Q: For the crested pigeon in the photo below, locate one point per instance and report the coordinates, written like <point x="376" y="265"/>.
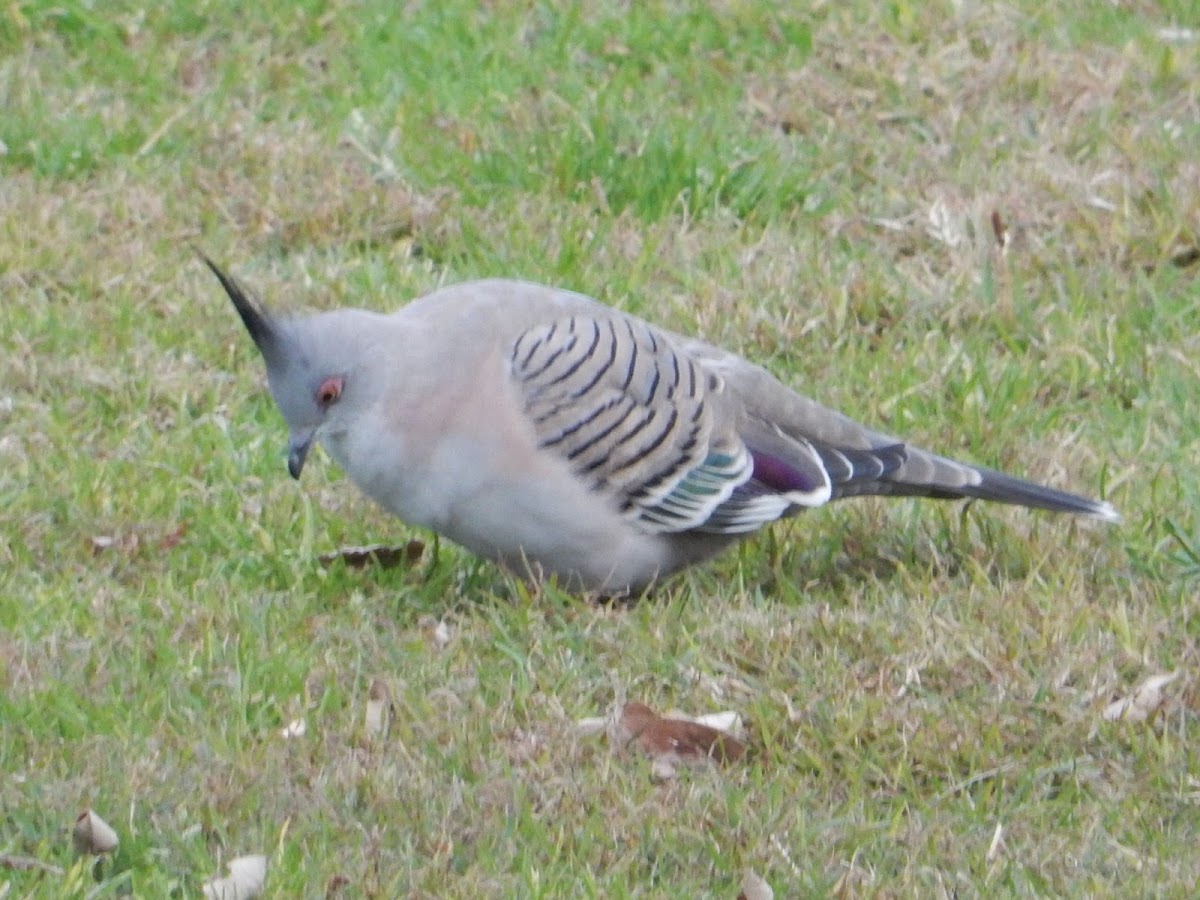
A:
<point x="557" y="436"/>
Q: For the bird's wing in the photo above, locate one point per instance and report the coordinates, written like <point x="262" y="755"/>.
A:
<point x="647" y="424"/>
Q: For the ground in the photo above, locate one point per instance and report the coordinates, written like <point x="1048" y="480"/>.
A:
<point x="975" y="225"/>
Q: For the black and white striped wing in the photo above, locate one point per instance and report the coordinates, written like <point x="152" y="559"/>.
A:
<point x="633" y="416"/>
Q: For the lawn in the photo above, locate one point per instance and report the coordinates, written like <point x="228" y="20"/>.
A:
<point x="974" y="225"/>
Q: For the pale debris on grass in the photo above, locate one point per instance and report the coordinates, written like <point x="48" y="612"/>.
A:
<point x="379" y="709"/>
<point x="996" y="847"/>
<point x="755" y="887"/>
<point x="729" y="721"/>
<point x="1192" y="794"/>
<point x="1177" y="35"/>
<point x="796" y="871"/>
<point x="946" y="224"/>
<point x="92" y="835"/>
<point x="247" y="875"/>
<point x="1142" y="704"/>
<point x="125" y="543"/>
<point x="437" y="630"/>
<point x="296" y="728"/>
<point x="592" y="726"/>
<point x="441" y="635"/>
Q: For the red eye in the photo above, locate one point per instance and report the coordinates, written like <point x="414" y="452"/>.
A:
<point x="329" y="391"/>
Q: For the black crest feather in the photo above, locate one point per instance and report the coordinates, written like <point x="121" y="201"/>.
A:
<point x="254" y="316"/>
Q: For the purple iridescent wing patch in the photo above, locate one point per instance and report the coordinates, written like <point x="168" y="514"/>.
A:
<point x="779" y="476"/>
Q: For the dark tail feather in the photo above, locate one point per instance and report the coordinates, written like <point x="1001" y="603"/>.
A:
<point x="1001" y="488"/>
<point x="905" y="471"/>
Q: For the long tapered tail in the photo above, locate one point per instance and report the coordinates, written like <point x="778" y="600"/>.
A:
<point x="924" y="474"/>
<point x="1003" y="488"/>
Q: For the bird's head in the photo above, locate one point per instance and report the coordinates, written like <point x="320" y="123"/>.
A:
<point x="314" y="367"/>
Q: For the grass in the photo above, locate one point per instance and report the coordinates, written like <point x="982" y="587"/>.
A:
<point x="813" y="188"/>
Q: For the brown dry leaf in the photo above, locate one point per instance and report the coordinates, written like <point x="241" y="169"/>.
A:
<point x="672" y="740"/>
<point x="755" y="887"/>
<point x="92" y="835"/>
<point x="379" y="709"/>
<point x="377" y="554"/>
<point x="1142" y="704"/>
<point x="174" y="537"/>
<point x="247" y="875"/>
<point x="1000" y="231"/>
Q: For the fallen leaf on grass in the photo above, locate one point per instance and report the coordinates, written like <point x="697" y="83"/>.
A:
<point x="999" y="230"/>
<point x="377" y="554"/>
<point x="247" y="875"/>
<point x="92" y="835"/>
<point x="755" y="887"/>
<point x="682" y="736"/>
<point x="1142" y="704"/>
<point x="669" y="741"/>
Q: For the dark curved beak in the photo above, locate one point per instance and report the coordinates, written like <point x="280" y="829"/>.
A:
<point x="298" y="445"/>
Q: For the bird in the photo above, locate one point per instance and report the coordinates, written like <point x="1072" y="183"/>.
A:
<point x="562" y="438"/>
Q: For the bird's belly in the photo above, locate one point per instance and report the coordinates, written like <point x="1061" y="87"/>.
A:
<point x="527" y="512"/>
<point x="532" y="540"/>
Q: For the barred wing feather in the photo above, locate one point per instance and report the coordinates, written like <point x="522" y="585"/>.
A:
<point x="641" y="421"/>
